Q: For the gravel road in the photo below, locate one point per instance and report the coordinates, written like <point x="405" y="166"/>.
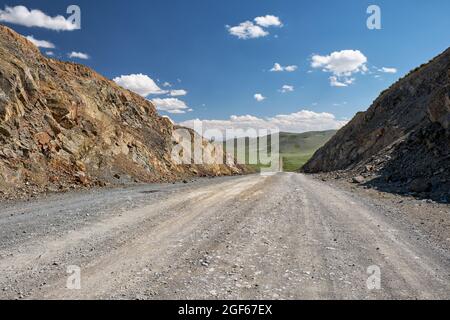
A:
<point x="286" y="236"/>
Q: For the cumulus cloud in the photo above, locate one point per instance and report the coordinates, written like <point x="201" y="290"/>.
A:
<point x="279" y="68"/>
<point x="139" y="83"/>
<point x="178" y="93"/>
<point x="335" y="82"/>
<point x="79" y="55"/>
<point x="20" y="15"/>
<point x="286" y="88"/>
<point x="259" y="97"/>
<point x="297" y="122"/>
<point x="290" y="68"/>
<point x="41" y="43"/>
<point x="268" y="21"/>
<point x="256" y="29"/>
<point x="388" y="70"/>
<point x="167" y="84"/>
<point x="247" y="30"/>
<point x="342" y="64"/>
<point x="171" y="105"/>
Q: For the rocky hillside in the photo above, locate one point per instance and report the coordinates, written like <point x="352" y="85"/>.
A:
<point x="402" y="143"/>
<point x="63" y="126"/>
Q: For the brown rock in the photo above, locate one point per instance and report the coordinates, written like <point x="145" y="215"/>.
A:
<point x="77" y="126"/>
<point x="43" y="138"/>
<point x="358" y="179"/>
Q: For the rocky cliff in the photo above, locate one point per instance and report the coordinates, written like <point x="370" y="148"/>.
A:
<point x="63" y="126"/>
<point x="403" y="141"/>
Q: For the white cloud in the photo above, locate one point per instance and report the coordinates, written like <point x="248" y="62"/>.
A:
<point x="178" y="93"/>
<point x="349" y="80"/>
<point x="139" y="83"/>
<point x="35" y="18"/>
<point x="340" y="104"/>
<point x="301" y="121"/>
<point x="286" y="88"/>
<point x="279" y="68"/>
<point x="79" y="55"/>
<point x="167" y="84"/>
<point x="50" y="53"/>
<point x="342" y="64"/>
<point x="247" y="30"/>
<point x="268" y="21"/>
<point x="259" y="97"/>
<point x="345" y="82"/>
<point x="250" y="30"/>
<point x="388" y="70"/>
<point x="171" y="105"/>
<point x="290" y="68"/>
<point x="41" y="43"/>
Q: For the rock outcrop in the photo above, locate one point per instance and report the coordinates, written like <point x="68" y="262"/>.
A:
<point x="62" y="126"/>
<point x="402" y="143"/>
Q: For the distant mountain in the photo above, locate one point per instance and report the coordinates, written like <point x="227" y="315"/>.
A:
<point x="402" y="143"/>
<point x="62" y="126"/>
<point x="295" y="148"/>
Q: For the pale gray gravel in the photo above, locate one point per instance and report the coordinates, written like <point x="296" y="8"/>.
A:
<point x="285" y="236"/>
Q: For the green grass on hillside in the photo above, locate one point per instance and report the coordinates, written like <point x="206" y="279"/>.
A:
<point x="293" y="161"/>
<point x="295" y="148"/>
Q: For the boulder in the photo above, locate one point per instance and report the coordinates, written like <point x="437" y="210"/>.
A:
<point x="358" y="179"/>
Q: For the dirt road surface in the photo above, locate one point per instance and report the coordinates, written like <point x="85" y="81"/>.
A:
<point x="286" y="236"/>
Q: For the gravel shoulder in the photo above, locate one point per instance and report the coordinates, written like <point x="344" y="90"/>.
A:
<point x="428" y="219"/>
<point x="286" y="236"/>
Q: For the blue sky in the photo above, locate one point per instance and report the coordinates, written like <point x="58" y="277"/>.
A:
<point x="190" y="45"/>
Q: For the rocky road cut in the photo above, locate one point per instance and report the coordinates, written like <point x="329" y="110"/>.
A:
<point x="286" y="236"/>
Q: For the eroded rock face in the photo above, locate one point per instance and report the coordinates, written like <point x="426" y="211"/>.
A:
<point x="404" y="136"/>
<point x="63" y="125"/>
